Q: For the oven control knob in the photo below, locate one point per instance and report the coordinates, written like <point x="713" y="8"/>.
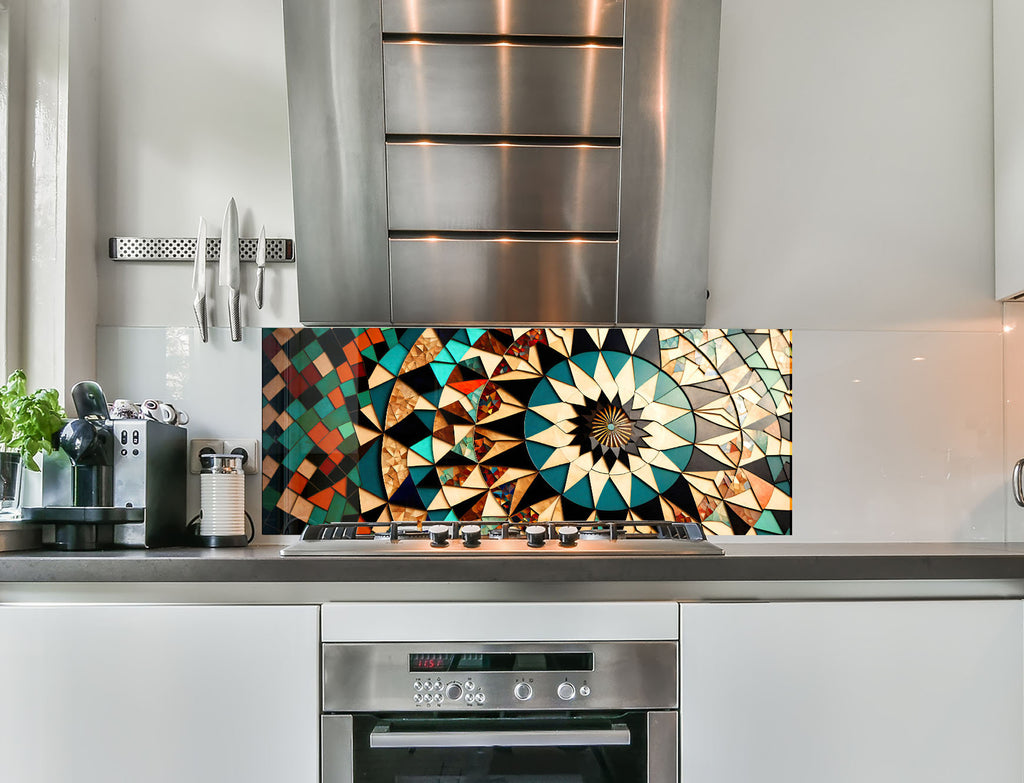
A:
<point x="566" y="691"/>
<point x="438" y="535"/>
<point x="568" y="535"/>
<point x="584" y="690"/>
<point x="522" y="691"/>
<point x="453" y="691"/>
<point x="470" y="535"/>
<point x="535" y="535"/>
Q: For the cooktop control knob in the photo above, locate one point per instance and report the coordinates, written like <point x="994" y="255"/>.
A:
<point x="470" y="535"/>
<point x="453" y="691"/>
<point x="438" y="535"/>
<point x="522" y="691"/>
<point x="568" y="535"/>
<point x="566" y="691"/>
<point x="535" y="535"/>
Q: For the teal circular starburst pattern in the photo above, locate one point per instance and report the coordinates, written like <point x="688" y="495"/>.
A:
<point x="608" y="430"/>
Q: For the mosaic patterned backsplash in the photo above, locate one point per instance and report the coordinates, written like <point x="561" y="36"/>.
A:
<point x="417" y="424"/>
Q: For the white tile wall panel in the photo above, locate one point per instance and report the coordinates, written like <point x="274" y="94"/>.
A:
<point x="897" y="436"/>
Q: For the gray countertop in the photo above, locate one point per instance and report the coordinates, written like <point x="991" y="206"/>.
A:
<point x="744" y="562"/>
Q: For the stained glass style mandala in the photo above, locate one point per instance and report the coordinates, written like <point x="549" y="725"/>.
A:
<point x="528" y="425"/>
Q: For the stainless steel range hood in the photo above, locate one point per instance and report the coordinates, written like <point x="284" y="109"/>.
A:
<point x="502" y="161"/>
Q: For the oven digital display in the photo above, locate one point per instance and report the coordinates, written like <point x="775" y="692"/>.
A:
<point x="502" y="662"/>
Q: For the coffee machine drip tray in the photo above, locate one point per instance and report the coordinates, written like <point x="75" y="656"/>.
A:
<point x="83" y="527"/>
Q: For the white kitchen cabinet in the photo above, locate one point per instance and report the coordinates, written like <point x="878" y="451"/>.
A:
<point x="848" y="692"/>
<point x="159" y="694"/>
<point x="1008" y="151"/>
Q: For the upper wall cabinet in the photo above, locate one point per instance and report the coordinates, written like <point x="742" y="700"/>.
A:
<point x="1008" y="170"/>
<point x="502" y="162"/>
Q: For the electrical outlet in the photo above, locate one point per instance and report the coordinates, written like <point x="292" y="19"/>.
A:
<point x="199" y="446"/>
<point x="250" y="451"/>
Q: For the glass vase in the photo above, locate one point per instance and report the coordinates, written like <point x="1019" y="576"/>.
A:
<point x="11" y="469"/>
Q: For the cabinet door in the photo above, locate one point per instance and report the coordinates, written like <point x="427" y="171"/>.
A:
<point x="161" y="694"/>
<point x="1008" y="151"/>
<point x="852" y="692"/>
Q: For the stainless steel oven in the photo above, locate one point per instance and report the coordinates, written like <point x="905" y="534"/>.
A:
<point x="520" y="712"/>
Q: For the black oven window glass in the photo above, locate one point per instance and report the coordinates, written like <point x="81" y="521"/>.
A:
<point x="502" y="662"/>
<point x="497" y="764"/>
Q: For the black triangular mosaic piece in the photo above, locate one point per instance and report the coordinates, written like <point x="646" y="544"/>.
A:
<point x="739" y="527"/>
<point x="548" y="357"/>
<point x="615" y="341"/>
<point x="409" y="430"/>
<point x="760" y="469"/>
<point x="518" y="457"/>
<point x="508" y="425"/>
<point x="535" y="493"/>
<point x="521" y="390"/>
<point x="650" y="348"/>
<point x="650" y="510"/>
<point x="462" y="508"/>
<point x="582" y="342"/>
<point x="421" y="380"/>
<point x="451" y="458"/>
<point x="406" y="495"/>
<point x="702" y="462"/>
<point x="706" y="430"/>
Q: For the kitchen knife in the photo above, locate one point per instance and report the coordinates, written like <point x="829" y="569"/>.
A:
<point x="229" y="275"/>
<point x="261" y="262"/>
<point x="199" y="281"/>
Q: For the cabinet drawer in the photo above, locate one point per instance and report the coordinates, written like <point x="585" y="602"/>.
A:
<point x="502" y="187"/>
<point x="597" y="18"/>
<point x="503" y="281"/>
<point x="502" y="89"/>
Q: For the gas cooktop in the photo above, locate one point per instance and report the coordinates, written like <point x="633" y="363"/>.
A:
<point x="467" y="539"/>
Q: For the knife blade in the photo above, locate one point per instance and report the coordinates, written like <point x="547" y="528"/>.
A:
<point x="199" y="282"/>
<point x="229" y="274"/>
<point x="261" y="262"/>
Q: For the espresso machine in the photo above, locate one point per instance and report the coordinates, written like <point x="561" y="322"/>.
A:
<point x="112" y="483"/>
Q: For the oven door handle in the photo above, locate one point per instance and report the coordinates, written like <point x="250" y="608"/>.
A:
<point x="382" y="737"/>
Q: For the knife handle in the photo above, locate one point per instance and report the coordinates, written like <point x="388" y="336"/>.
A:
<point x="199" y="306"/>
<point x="234" y="317"/>
<point x="258" y="293"/>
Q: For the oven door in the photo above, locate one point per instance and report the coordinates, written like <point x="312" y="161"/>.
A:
<point x="630" y="747"/>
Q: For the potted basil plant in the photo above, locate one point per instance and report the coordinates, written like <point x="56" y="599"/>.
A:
<point x="28" y="422"/>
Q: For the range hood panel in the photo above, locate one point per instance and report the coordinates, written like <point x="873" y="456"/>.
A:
<point x="596" y="18"/>
<point x="502" y="188"/>
<point x="534" y="282"/>
<point x="504" y="90"/>
<point x="581" y="130"/>
<point x="336" y="123"/>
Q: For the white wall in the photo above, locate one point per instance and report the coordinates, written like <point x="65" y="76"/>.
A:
<point x="194" y="112"/>
<point x="852" y="202"/>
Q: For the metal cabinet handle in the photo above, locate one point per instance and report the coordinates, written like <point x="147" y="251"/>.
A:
<point x="383" y="737"/>
<point x="1018" y="490"/>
